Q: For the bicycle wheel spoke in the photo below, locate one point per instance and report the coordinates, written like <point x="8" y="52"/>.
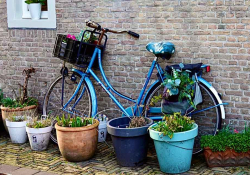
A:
<point x="80" y="105"/>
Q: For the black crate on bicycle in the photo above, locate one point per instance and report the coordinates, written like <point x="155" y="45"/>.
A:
<point x="76" y="52"/>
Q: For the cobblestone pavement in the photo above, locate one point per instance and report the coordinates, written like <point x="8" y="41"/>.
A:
<point x="23" y="159"/>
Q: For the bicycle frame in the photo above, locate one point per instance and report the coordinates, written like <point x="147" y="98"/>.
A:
<point x="108" y="89"/>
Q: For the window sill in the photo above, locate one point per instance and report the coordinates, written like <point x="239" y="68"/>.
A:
<point x="32" y="24"/>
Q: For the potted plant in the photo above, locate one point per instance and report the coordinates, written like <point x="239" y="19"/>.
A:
<point x="16" y="126"/>
<point x="228" y="148"/>
<point x="87" y="38"/>
<point x="22" y="105"/>
<point x="39" y="132"/>
<point x="181" y="92"/>
<point x="174" y="140"/>
<point x="130" y="139"/>
<point x="77" y="137"/>
<point x="35" y="8"/>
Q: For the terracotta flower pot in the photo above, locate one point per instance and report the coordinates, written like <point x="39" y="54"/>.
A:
<point x="226" y="158"/>
<point x="79" y="143"/>
<point x="6" y="112"/>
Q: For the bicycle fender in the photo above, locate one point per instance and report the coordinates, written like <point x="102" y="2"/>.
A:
<point x="93" y="96"/>
<point x="149" y="90"/>
<point x="91" y="90"/>
<point x="210" y="87"/>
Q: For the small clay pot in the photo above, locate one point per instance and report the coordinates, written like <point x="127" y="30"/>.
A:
<point x="78" y="143"/>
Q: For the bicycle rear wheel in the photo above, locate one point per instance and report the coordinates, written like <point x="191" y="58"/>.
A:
<point x="209" y="121"/>
<point x="54" y="99"/>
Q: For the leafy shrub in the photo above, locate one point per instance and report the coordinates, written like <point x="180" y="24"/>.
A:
<point x="39" y="122"/>
<point x="174" y="123"/>
<point x="180" y="83"/>
<point x="12" y="103"/>
<point x="228" y="139"/>
<point x="74" y="122"/>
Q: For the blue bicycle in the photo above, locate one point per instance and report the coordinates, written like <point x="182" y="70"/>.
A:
<point x="73" y="91"/>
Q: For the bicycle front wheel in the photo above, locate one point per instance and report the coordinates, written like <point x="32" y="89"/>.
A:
<point x="58" y="95"/>
<point x="209" y="121"/>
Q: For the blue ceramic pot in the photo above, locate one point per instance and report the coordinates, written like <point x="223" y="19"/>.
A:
<point x="174" y="155"/>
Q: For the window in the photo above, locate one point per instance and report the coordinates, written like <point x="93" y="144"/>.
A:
<point x="21" y="17"/>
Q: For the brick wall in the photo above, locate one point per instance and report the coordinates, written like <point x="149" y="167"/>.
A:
<point x="214" y="32"/>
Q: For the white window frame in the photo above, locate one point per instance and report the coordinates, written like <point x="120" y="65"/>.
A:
<point x="18" y="16"/>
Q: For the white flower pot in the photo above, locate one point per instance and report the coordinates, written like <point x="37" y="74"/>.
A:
<point x="35" y="11"/>
<point x="102" y="131"/>
<point x="39" y="138"/>
<point x="17" y="131"/>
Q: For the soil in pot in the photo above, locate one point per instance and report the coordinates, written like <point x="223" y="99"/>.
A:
<point x="26" y="111"/>
<point x="39" y="138"/>
<point x="130" y="144"/>
<point x="17" y="131"/>
<point x="77" y="143"/>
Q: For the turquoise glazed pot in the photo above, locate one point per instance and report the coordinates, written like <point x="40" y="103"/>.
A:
<point x="174" y="155"/>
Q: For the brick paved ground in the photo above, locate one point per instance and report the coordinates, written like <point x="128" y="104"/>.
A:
<point x="21" y="160"/>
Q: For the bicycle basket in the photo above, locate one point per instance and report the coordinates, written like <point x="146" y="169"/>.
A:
<point x="78" y="53"/>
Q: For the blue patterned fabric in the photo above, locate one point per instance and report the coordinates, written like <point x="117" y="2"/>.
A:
<point x="160" y="48"/>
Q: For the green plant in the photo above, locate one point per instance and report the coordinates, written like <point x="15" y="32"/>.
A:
<point x="74" y="121"/>
<point x="88" y="37"/>
<point x="1" y="96"/>
<point x="173" y="123"/>
<point x="180" y="83"/>
<point x="35" y="1"/>
<point x="14" y="118"/>
<point x="227" y="138"/>
<point x="23" y="100"/>
<point x="39" y="122"/>
<point x="13" y="103"/>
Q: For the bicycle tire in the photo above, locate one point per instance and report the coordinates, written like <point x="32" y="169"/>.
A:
<point x="56" y="85"/>
<point x="204" y="127"/>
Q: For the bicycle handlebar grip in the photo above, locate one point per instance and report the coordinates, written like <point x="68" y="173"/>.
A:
<point x="136" y="35"/>
<point x="93" y="24"/>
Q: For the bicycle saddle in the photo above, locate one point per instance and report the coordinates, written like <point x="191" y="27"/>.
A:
<point x="161" y="49"/>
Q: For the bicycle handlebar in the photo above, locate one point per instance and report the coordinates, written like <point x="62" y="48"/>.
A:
<point x="136" y="35"/>
<point x="93" y="24"/>
<point x="97" y="26"/>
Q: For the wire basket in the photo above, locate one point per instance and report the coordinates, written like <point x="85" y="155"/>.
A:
<point x="78" y="53"/>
